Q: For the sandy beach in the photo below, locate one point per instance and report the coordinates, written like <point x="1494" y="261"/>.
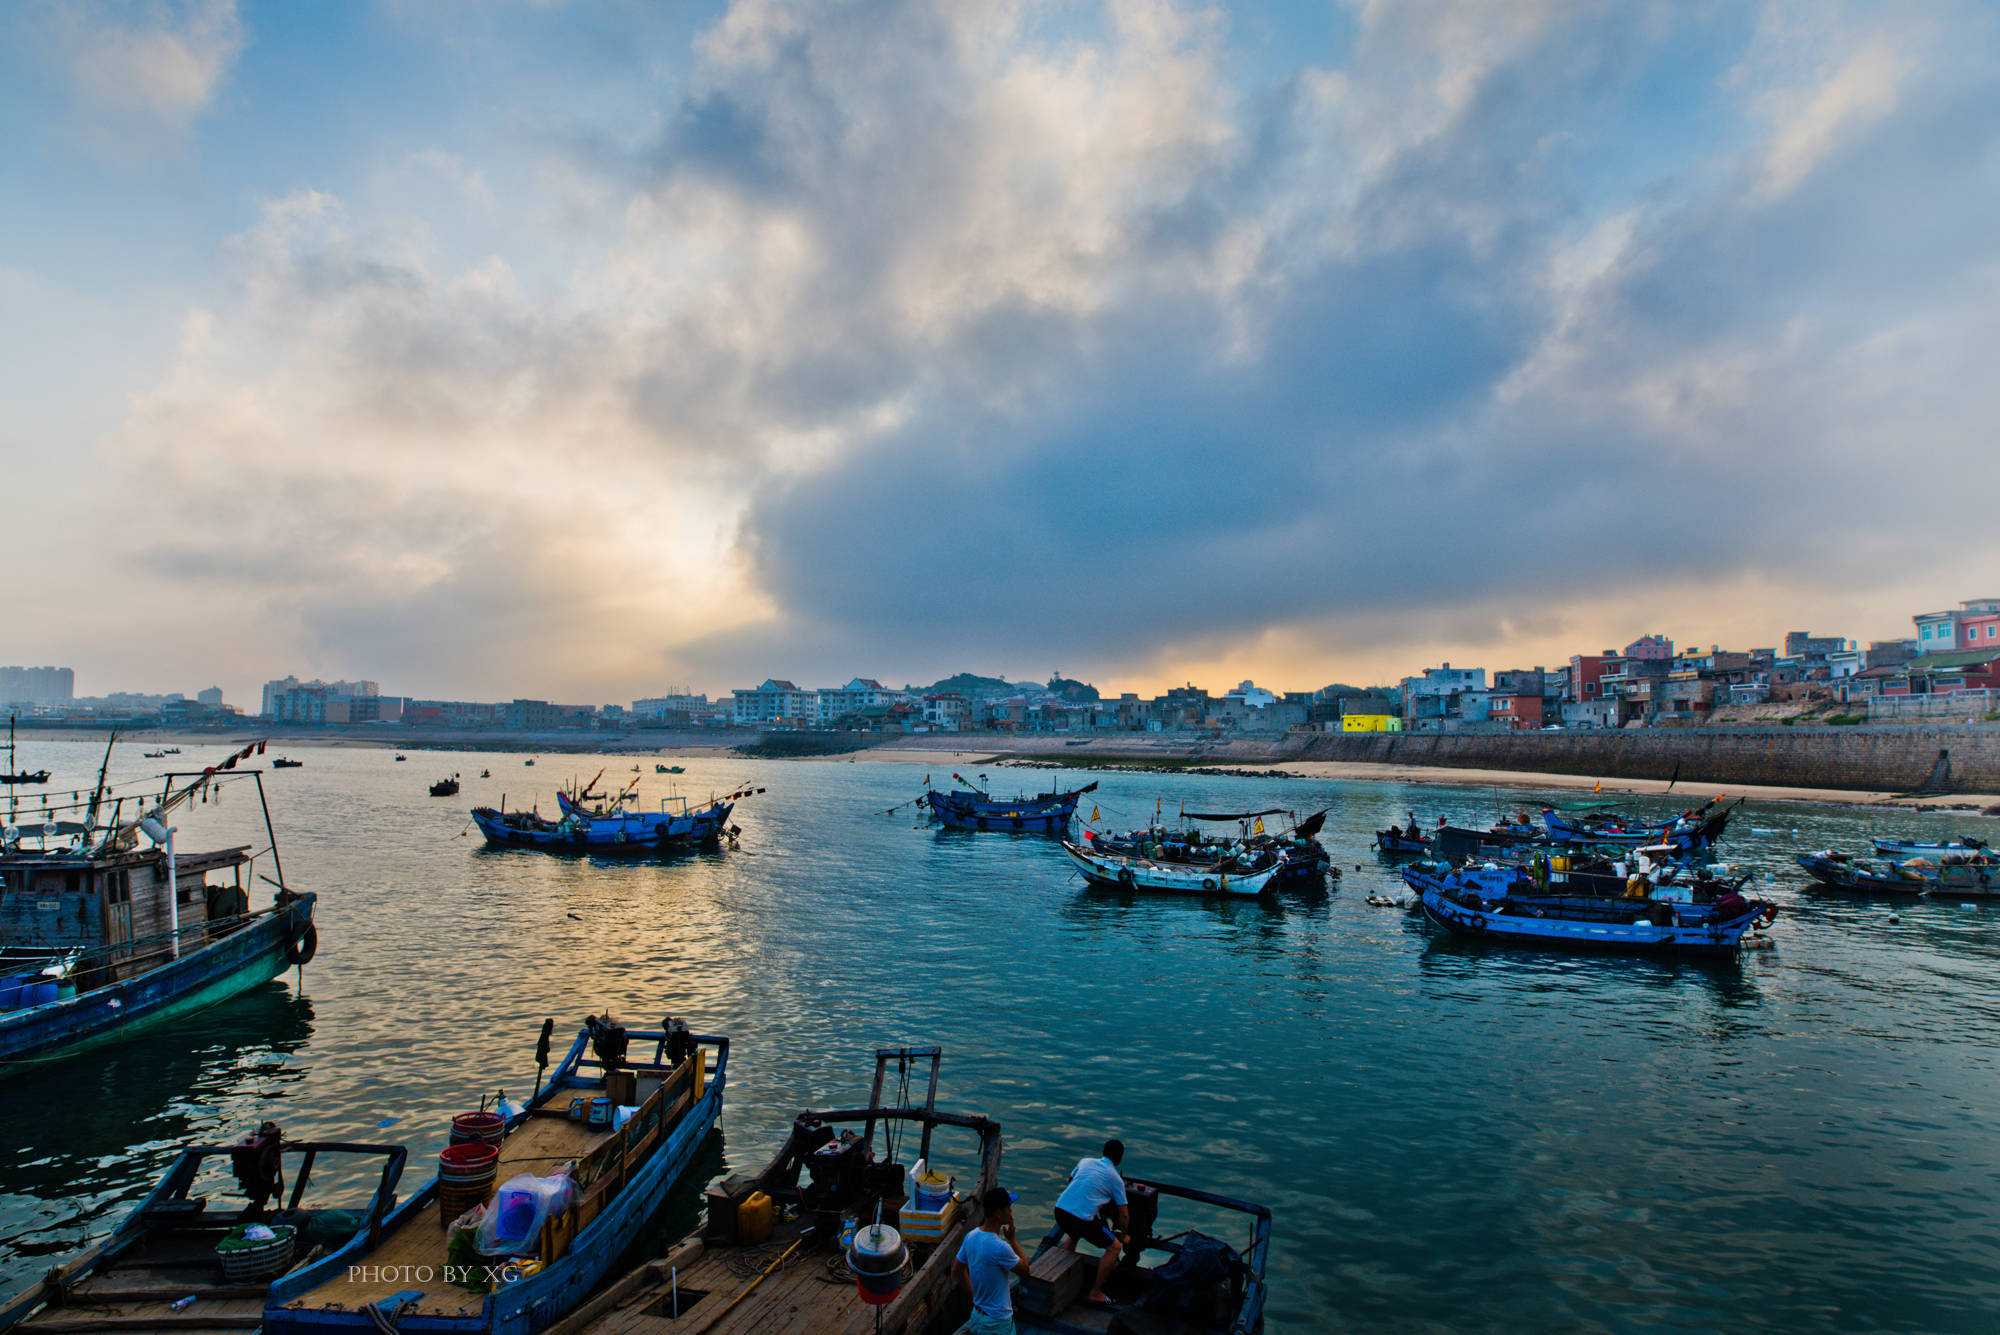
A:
<point x="1445" y="775"/>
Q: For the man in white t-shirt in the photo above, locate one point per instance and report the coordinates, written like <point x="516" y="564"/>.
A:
<point x="1095" y="1189"/>
<point x="986" y="1259"/>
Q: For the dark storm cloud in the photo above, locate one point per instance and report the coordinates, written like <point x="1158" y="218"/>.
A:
<point x="1392" y="437"/>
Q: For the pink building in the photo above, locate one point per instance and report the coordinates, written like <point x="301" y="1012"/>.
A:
<point x="1650" y="647"/>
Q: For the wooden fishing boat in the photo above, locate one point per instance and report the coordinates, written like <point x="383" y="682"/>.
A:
<point x="445" y="787"/>
<point x="405" y="1277"/>
<point x="1965" y="875"/>
<point x="103" y="937"/>
<point x="1698" y="828"/>
<point x="669" y="769"/>
<point x="1306" y="860"/>
<point x="1406" y="842"/>
<point x="1910" y="848"/>
<point x="973" y="808"/>
<point x="1238" y="877"/>
<point x="1187" y="1283"/>
<point x="281" y="762"/>
<point x="618" y="827"/>
<point x="773" y="1240"/>
<point x="162" y="1270"/>
<point x="1502" y="904"/>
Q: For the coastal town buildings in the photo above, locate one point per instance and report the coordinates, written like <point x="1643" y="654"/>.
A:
<point x="32" y="686"/>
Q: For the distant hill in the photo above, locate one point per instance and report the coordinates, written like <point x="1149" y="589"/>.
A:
<point x="1075" y="692"/>
<point x="975" y="687"/>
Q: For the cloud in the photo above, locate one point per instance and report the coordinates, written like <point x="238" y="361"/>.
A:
<point x="149" y="71"/>
<point x="920" y="335"/>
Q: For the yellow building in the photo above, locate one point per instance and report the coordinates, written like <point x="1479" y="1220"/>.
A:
<point x="1370" y="723"/>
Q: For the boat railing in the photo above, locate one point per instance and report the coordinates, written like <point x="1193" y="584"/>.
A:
<point x="22" y="957"/>
<point x="180" y="1178"/>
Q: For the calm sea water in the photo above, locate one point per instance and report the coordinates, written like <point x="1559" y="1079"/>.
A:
<point x="1452" y="1137"/>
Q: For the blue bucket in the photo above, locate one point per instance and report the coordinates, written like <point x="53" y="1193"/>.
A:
<point x="10" y="993"/>
<point x="39" y="993"/>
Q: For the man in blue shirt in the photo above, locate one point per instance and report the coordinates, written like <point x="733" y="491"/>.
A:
<point x="987" y="1257"/>
<point x="1095" y="1188"/>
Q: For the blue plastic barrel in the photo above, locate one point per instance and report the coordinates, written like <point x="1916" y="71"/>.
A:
<point x="40" y="993"/>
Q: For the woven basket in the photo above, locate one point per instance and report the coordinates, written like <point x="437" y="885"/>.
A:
<point x="243" y="1260"/>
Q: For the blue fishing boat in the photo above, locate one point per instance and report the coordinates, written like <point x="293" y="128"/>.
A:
<point x="1699" y="828"/>
<point x="1303" y="859"/>
<point x="603" y="1182"/>
<point x="1965" y="875"/>
<point x="107" y="932"/>
<point x="617" y="826"/>
<point x="1504" y="904"/>
<point x="1911" y="848"/>
<point x="973" y="808"/>
<point x="176" y="1262"/>
<point x="1242" y="874"/>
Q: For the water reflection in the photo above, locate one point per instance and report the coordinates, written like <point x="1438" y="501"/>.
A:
<point x="80" y="1135"/>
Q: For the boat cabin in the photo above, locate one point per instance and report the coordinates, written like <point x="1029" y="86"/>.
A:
<point x="110" y="916"/>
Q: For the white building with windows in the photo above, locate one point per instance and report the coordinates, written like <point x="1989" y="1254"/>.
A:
<point x="777" y="703"/>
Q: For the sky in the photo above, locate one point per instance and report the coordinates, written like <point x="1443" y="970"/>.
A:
<point x="487" y="348"/>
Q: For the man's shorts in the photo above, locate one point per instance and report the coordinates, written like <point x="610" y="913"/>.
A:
<point x="1094" y="1231"/>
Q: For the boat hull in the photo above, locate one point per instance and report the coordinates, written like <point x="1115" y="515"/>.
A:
<point x="969" y="811"/>
<point x="638" y="834"/>
<point x="244" y="959"/>
<point x="1136" y="874"/>
<point x="1709" y="938"/>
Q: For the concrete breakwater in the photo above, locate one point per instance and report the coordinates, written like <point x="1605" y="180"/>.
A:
<point x="1940" y="758"/>
<point x="1929" y="758"/>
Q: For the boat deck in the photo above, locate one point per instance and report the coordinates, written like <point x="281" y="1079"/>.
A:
<point x="136" y="1289"/>
<point x="539" y="1146"/>
<point x="809" y="1293"/>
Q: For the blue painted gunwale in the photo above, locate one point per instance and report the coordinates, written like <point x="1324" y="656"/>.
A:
<point x="542" y="1299"/>
<point x="246" y="958"/>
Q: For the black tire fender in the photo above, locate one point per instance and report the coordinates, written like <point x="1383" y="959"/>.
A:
<point x="301" y="948"/>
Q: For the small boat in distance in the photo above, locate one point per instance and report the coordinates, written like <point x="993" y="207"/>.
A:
<point x="173" y="1250"/>
<point x="486" y="774"/>
<point x="13" y="776"/>
<point x="280" y="762"/>
<point x="400" y="757"/>
<point x="445" y="787"/>
<point x="974" y="808"/>
<point x="620" y="1168"/>
<point x="1907" y="848"/>
<point x="529" y="762"/>
<point x="669" y="769"/>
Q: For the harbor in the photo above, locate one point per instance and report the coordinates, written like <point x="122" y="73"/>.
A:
<point x="1436" y="1124"/>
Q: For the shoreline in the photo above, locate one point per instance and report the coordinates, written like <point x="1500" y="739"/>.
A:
<point x="1137" y="753"/>
<point x="1354" y="771"/>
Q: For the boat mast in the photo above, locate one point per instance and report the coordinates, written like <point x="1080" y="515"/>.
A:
<point x="277" y="862"/>
<point x="97" y="797"/>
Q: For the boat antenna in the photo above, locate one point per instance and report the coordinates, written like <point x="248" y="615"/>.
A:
<point x="96" y="797"/>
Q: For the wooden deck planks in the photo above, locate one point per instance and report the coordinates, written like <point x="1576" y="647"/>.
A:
<point x="801" y="1297"/>
<point x="541" y="1145"/>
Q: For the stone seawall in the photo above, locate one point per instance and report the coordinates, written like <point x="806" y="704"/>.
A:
<point x="1937" y="758"/>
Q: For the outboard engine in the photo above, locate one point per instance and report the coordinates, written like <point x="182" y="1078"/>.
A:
<point x="258" y="1161"/>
